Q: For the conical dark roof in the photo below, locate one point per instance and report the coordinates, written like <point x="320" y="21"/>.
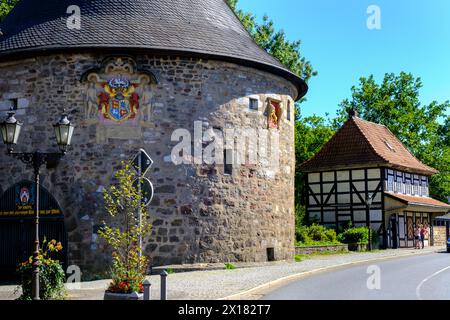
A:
<point x="206" y="28"/>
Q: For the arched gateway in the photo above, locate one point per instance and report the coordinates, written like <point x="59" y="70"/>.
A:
<point x="17" y="220"/>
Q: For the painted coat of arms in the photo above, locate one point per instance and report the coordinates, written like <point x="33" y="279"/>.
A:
<point x="119" y="102"/>
<point x="118" y="93"/>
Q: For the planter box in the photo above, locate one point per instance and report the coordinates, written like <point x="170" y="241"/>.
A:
<point x="123" y="296"/>
<point x="319" y="249"/>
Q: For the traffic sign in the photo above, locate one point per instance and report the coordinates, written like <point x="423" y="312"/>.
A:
<point x="142" y="160"/>
<point x="146" y="190"/>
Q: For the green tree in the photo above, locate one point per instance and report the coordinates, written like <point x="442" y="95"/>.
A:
<point x="311" y="133"/>
<point x="422" y="128"/>
<point x="5" y="7"/>
<point x="275" y="43"/>
<point x="122" y="202"/>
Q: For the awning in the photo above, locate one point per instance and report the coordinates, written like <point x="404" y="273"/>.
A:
<point x="425" y="202"/>
<point x="444" y="218"/>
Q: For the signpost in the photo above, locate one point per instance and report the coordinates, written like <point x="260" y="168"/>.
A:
<point x="146" y="188"/>
<point x="142" y="163"/>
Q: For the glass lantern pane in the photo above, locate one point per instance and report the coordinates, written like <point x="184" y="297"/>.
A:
<point x="3" y="131"/>
<point x="17" y="133"/>
<point x="57" y="135"/>
<point x="64" y="130"/>
<point x="69" y="141"/>
<point x="10" y="132"/>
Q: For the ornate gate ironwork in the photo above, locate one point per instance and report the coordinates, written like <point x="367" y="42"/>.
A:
<point x="17" y="226"/>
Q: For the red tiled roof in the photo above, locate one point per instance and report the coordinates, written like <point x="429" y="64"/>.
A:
<point x="360" y="143"/>
<point x="418" y="200"/>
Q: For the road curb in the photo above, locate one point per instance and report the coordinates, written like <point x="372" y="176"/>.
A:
<point x="269" y="286"/>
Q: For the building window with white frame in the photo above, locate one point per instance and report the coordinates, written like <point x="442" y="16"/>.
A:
<point x="253" y="104"/>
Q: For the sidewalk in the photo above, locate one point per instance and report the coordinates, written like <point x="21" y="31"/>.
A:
<point x="239" y="283"/>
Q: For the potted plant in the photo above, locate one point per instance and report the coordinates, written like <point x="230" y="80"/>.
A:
<point x="122" y="202"/>
<point x="51" y="274"/>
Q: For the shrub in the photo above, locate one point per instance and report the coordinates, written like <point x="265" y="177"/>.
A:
<point x="355" y="235"/>
<point x="51" y="274"/>
<point x="315" y="235"/>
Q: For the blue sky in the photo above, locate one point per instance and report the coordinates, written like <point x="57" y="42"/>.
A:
<point x="414" y="37"/>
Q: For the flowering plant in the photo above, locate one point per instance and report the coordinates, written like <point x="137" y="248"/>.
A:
<point x="51" y="274"/>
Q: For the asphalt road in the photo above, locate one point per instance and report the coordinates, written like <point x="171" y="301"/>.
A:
<point x="425" y="277"/>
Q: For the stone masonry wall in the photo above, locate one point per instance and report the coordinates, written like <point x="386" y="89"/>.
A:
<point x="198" y="213"/>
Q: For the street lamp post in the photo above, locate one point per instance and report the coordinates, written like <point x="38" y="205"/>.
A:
<point x="10" y="130"/>
<point x="369" y="201"/>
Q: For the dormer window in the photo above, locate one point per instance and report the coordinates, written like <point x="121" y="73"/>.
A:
<point x="389" y="146"/>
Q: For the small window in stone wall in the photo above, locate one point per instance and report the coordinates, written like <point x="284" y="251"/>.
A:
<point x="254" y="104"/>
<point x="10" y="104"/>
<point x="14" y="103"/>
<point x="228" y="161"/>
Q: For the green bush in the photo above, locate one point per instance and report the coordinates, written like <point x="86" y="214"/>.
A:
<point x="354" y="235"/>
<point x="51" y="274"/>
<point x="315" y="235"/>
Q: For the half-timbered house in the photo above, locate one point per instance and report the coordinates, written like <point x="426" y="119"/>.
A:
<point x="364" y="174"/>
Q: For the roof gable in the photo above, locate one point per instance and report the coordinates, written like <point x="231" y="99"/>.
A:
<point x="358" y="143"/>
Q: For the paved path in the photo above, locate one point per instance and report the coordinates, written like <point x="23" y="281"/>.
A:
<point x="219" y="284"/>
<point x="409" y="278"/>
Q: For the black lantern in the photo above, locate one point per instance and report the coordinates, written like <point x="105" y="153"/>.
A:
<point x="10" y="129"/>
<point x="63" y="132"/>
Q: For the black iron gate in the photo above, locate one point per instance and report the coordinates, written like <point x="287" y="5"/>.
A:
<point x="17" y="226"/>
<point x="17" y="241"/>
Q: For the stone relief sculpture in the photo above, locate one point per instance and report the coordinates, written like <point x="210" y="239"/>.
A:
<point x="146" y="95"/>
<point x="91" y="101"/>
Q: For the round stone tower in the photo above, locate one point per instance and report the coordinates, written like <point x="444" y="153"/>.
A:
<point x="190" y="76"/>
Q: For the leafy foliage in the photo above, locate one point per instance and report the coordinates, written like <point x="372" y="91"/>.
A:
<point x="275" y="43"/>
<point x="355" y="235"/>
<point x="315" y="235"/>
<point x="5" y="7"/>
<point x="230" y="266"/>
<point x="311" y="133"/>
<point x="122" y="203"/>
<point x="358" y="235"/>
<point x="51" y="274"/>
<point x="423" y="129"/>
